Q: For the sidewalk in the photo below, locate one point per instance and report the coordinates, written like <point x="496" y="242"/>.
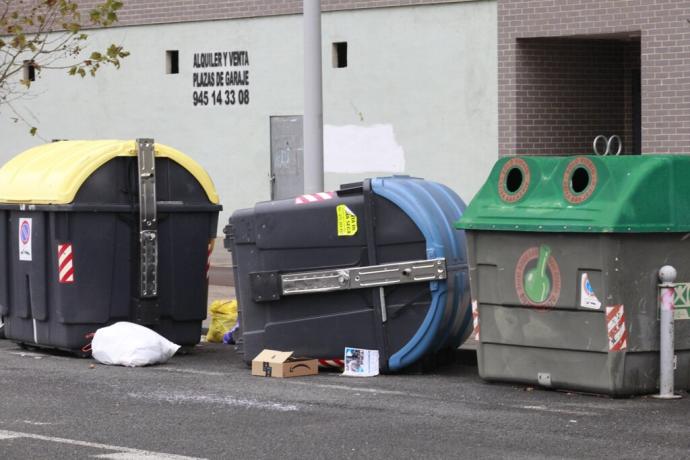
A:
<point x="220" y="275"/>
<point x="221" y="281"/>
<point x="220" y="272"/>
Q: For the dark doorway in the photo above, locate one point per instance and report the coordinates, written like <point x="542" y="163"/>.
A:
<point x="636" y="112"/>
<point x="569" y="90"/>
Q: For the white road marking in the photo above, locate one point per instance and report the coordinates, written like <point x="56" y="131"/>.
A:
<point x="192" y="371"/>
<point x="131" y="456"/>
<point x="31" y="422"/>
<point x="209" y="399"/>
<point x="556" y="410"/>
<point x="27" y="354"/>
<point x="124" y="452"/>
<point x="357" y="389"/>
<point x="320" y="385"/>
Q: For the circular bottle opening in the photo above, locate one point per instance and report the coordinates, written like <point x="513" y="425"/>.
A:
<point x="514" y="180"/>
<point x="579" y="180"/>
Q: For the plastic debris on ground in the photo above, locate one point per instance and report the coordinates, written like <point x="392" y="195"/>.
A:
<point x="223" y="318"/>
<point x="229" y="337"/>
<point x="131" y="345"/>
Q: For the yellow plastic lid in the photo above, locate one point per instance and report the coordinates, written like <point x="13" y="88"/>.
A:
<point x="53" y="173"/>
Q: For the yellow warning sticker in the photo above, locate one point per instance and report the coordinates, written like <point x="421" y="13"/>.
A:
<point x="347" y="221"/>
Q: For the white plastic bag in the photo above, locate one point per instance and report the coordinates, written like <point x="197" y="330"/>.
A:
<point x="131" y="345"/>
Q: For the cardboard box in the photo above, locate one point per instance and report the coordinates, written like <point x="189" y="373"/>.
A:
<point x="272" y="363"/>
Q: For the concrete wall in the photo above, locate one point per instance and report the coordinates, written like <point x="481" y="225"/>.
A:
<point x="420" y="83"/>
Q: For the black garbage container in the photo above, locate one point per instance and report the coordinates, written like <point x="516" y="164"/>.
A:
<point x="376" y="265"/>
<point x="94" y="232"/>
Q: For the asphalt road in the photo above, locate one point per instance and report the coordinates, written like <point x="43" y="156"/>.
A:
<point x="207" y="405"/>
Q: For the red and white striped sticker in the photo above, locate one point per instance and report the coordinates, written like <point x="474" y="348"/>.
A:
<point x="615" y="325"/>
<point x="314" y="197"/>
<point x="65" y="263"/>
<point x="475" y="320"/>
<point x="211" y="243"/>
<point x="331" y="363"/>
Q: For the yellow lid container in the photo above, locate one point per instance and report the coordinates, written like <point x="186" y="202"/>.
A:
<point x="53" y="173"/>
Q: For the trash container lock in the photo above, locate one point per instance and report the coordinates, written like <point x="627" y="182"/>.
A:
<point x="364" y="277"/>
<point x="148" y="231"/>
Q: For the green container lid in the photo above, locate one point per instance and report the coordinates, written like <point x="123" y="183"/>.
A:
<point x="630" y="194"/>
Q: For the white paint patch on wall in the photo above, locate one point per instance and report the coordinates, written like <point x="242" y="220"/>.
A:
<point x="354" y="149"/>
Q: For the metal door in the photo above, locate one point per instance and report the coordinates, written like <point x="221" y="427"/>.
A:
<point x="287" y="157"/>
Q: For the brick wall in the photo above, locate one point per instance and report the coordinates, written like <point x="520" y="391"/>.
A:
<point x="140" y="12"/>
<point x="568" y="93"/>
<point x="567" y="69"/>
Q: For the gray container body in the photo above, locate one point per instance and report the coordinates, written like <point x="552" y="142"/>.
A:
<point x="565" y="341"/>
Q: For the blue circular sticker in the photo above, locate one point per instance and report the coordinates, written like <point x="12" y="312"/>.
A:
<point x="25" y="232"/>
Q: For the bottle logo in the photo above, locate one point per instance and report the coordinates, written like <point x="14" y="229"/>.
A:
<point x="538" y="277"/>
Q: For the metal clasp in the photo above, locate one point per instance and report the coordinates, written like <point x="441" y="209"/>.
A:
<point x="340" y="279"/>
<point x="148" y="225"/>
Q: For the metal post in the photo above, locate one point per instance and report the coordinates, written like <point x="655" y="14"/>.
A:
<point x="667" y="275"/>
<point x="313" y="98"/>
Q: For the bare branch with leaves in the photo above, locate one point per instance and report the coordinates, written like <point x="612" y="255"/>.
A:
<point x="40" y="35"/>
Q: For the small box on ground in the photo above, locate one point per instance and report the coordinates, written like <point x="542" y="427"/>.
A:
<point x="272" y="363"/>
<point x="361" y="363"/>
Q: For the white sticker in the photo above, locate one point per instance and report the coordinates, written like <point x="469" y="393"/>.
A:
<point x="587" y="297"/>
<point x="361" y="363"/>
<point x="24" y="238"/>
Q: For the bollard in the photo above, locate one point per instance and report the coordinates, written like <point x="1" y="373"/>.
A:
<point x="667" y="275"/>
